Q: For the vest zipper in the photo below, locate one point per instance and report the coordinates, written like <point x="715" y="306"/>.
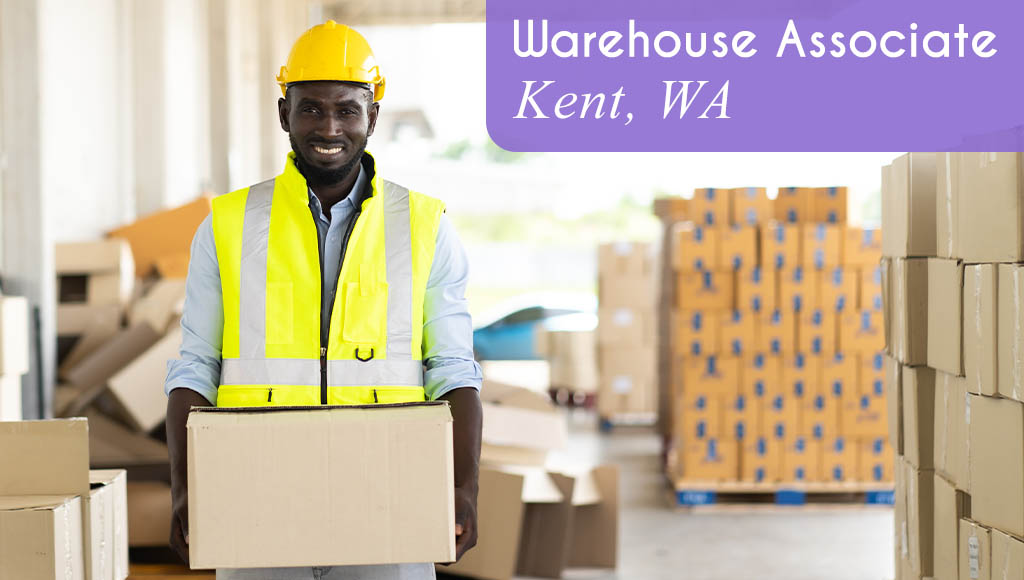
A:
<point x="323" y="375"/>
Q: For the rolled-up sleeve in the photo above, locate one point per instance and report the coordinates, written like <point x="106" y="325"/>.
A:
<point x="202" y="322"/>
<point x="447" y="325"/>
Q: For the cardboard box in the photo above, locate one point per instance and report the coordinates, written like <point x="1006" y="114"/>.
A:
<point x="743" y="418"/>
<point x="700" y="415"/>
<point x="739" y="247"/>
<point x="149" y="514"/>
<point x="622" y="291"/>
<point x="751" y="206"/>
<point x="950" y="429"/>
<point x="760" y="378"/>
<point x="672" y="209"/>
<point x="710" y="206"/>
<point x="894" y="397"/>
<point x="1007" y="557"/>
<point x="910" y="310"/>
<point x="920" y="518"/>
<point x="781" y="246"/>
<point x="908" y="206"/>
<point x="997" y="463"/>
<point x="704" y="291"/>
<point x="862" y="247"/>
<point x="799" y="289"/>
<point x="781" y="417"/>
<point x="94" y="337"/>
<point x="918" y="416"/>
<point x="78" y="318"/>
<point x="818" y="333"/>
<point x="821" y="416"/>
<point x="778" y="333"/>
<point x="519" y="423"/>
<point x="945" y="301"/>
<point x="947" y="209"/>
<point x="624" y="325"/>
<point x="801" y="460"/>
<point x="1010" y="332"/>
<point x="696" y="248"/>
<point x="839" y="290"/>
<point x="164" y="233"/>
<point x="709" y="459"/>
<point x="839" y="459"/>
<point x="872" y="377"/>
<point x="793" y="204"/>
<point x="112" y="445"/>
<point x="869" y="293"/>
<point x="823" y="246"/>
<point x="93" y="257"/>
<point x="572" y="358"/>
<point x="115" y="519"/>
<point x="342" y="520"/>
<point x="949" y="507"/>
<point x="876" y="460"/>
<point x="697" y="333"/>
<point x="41" y="537"/>
<point x="711" y="374"/>
<point x="980" y="328"/>
<point x="900" y="527"/>
<point x="133" y="386"/>
<point x="828" y="205"/>
<point x="888" y="303"/>
<point x="14" y="335"/>
<point x="862" y="331"/>
<point x="10" y="398"/>
<point x="739" y="332"/>
<point x="864" y="414"/>
<point x="97" y="289"/>
<point x="975" y="551"/>
<point x="756" y="290"/>
<point x="160" y="305"/>
<point x="761" y="460"/>
<point x="990" y="225"/>
<point x="627" y="381"/>
<point x="840" y="374"/>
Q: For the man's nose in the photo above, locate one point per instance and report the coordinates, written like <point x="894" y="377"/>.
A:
<point x="332" y="126"/>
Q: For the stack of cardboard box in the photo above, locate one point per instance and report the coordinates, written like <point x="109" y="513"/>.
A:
<point x="776" y="340"/>
<point x="572" y="359"/>
<point x="14" y="359"/>
<point x="953" y="231"/>
<point x="58" y="519"/>
<point x="626" y="337"/>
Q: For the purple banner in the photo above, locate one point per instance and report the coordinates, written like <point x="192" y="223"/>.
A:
<point x="755" y="75"/>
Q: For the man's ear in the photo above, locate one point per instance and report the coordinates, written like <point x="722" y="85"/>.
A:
<point x="372" y="113"/>
<point x="282" y="113"/>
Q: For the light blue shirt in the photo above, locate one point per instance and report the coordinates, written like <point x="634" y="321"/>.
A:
<point x="447" y="326"/>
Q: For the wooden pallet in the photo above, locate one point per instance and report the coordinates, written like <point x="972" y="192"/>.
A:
<point x="167" y="572"/>
<point x="690" y="494"/>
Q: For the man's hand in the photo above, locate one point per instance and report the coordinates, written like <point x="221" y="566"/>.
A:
<point x="179" y="403"/>
<point x="465" y="520"/>
<point x="179" y="527"/>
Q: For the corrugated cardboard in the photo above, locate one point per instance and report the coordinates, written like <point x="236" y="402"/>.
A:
<point x="65" y="444"/>
<point x="761" y="460"/>
<point x="1010" y="332"/>
<point x="97" y="289"/>
<point x="920" y="519"/>
<point x="975" y="552"/>
<point x="696" y="248"/>
<point x="760" y="378"/>
<point x="739" y="334"/>
<point x="91" y="257"/>
<point x="864" y="414"/>
<point x="95" y="336"/>
<point x="625" y="260"/>
<point x="135" y="385"/>
<point x="910" y="310"/>
<point x="869" y="292"/>
<point x="756" y="290"/>
<point x="918" y="416"/>
<point x="112" y="445"/>
<point x="840" y="375"/>
<point x="500" y="508"/>
<point x="98" y="517"/>
<point x="699" y="414"/>
<point x="818" y="333"/>
<point x="593" y="542"/>
<point x="947" y="209"/>
<point x="945" y="301"/>
<point x="159" y="305"/>
<point x="781" y="246"/>
<point x="839" y="289"/>
<point x="997" y="463"/>
<point x="116" y="481"/>
<point x="672" y="209"/>
<point x="876" y="460"/>
<point x="990" y="225"/>
<point x="751" y="206"/>
<point x="711" y="206"/>
<point x="10" y="398"/>
<point x="77" y="318"/>
<point x="861" y="331"/>
<point x="894" y="397"/>
<point x="41" y="538"/>
<point x="823" y="246"/>
<point x="908" y="206"/>
<point x="778" y="333"/>
<point x="1007" y="557"/>
<point x="623" y="325"/>
<point x="799" y="289"/>
<point x="14" y="335"/>
<point x="165" y="233"/>
<point x="705" y="290"/>
<point x="801" y="382"/>
<point x="743" y="419"/>
<point x="980" y="328"/>
<point x="872" y="374"/>
<point x="709" y="459"/>
<point x="820" y="418"/>
<point x="739" y="247"/>
<point x="793" y="204"/>
<point x="520" y="419"/>
<point x="149" y="514"/>
<point x="839" y="459"/>
<point x="949" y="507"/>
<point x="627" y="381"/>
<point x="400" y="509"/>
<point x="572" y="358"/>
<point x="697" y="333"/>
<point x="828" y="205"/>
<point x="634" y="292"/>
<point x="900" y="527"/>
<point x="862" y="246"/>
<point x="951" y="450"/>
<point x="801" y="460"/>
<point x="888" y="303"/>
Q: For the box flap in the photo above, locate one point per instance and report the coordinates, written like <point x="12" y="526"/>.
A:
<point x="135" y="385"/>
<point x="500" y="520"/>
<point x="513" y="396"/>
<point x="519" y="427"/>
<point x="33" y="502"/>
<point x="538" y="487"/>
<point x="112" y="445"/>
<point x="44" y="457"/>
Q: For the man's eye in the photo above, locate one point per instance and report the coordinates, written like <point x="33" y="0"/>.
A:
<point x="310" y="110"/>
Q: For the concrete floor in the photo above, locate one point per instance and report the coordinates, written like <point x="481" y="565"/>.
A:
<point x="738" y="542"/>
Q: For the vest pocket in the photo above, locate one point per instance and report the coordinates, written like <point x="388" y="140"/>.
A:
<point x="280" y="314"/>
<point x="366" y="312"/>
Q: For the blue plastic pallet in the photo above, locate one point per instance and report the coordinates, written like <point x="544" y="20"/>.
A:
<point x="793" y="497"/>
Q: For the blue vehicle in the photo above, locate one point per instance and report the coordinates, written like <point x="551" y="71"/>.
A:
<point x="508" y="332"/>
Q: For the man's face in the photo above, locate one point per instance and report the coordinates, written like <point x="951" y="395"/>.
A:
<point x="328" y="124"/>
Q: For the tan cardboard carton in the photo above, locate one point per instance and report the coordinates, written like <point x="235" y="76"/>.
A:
<point x="861" y="331"/>
<point x="14" y="335"/>
<point x="705" y="290"/>
<point x="862" y="247"/>
<point x="759" y="379"/>
<point x="997" y="463"/>
<point x="41" y="537"/>
<point x="799" y="289"/>
<point x="828" y="205"/>
<point x="975" y="552"/>
<point x="839" y="459"/>
<point x="739" y="332"/>
<point x="888" y="302"/>
<point x="164" y="233"/>
<point x="710" y="459"/>
<point x="839" y="289"/>
<point x="627" y="381"/>
<point x="700" y="413"/>
<point x="793" y="204"/>
<point x="78" y="318"/>
<point x="697" y="333"/>
<point x="10" y="398"/>
<point x="840" y="375"/>
<point x="384" y="516"/>
<point x="92" y="257"/>
<point x="818" y="332"/>
<point x="864" y="414"/>
<point x="114" y="481"/>
<point x="894" y="397"/>
<point x="778" y="335"/>
<point x="980" y="328"/>
<point x="696" y="248"/>
<point x="757" y="289"/>
<point x="949" y="507"/>
<point x="920" y="519"/>
<point x="672" y="209"/>
<point x="739" y="247"/>
<point x="624" y="325"/>
<point x="870" y="294"/>
<point x="990" y="225"/>
<point x="710" y="206"/>
<point x="918" y="416"/>
<point x="945" y="302"/>
<point x="761" y="459"/>
<point x="801" y="460"/>
<point x="572" y="358"/>
<point x="160" y="305"/>
<point x="94" y="337"/>
<point x="519" y="423"/>
<point x="901" y="529"/>
<point x="133" y="386"/>
<point x="950" y="430"/>
<point x="908" y="206"/>
<point x="1010" y="332"/>
<point x="876" y="460"/>
<point x="751" y="206"/>
<point x="1007" y="557"/>
<point x="781" y="246"/>
<point x="823" y="246"/>
<point x="910" y="310"/>
<point x="947" y="210"/>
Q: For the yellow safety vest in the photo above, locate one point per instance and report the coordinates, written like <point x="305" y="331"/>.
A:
<point x="269" y="256"/>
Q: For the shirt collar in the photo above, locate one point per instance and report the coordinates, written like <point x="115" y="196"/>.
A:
<point x="354" y="197"/>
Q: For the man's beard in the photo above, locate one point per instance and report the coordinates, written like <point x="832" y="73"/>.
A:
<point x="317" y="176"/>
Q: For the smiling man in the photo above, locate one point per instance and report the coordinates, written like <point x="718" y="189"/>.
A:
<point x="327" y="285"/>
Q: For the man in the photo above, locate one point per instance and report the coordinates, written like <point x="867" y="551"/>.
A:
<point x="327" y="285"/>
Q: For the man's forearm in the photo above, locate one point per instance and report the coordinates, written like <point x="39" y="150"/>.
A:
<point x="178" y="404"/>
<point x="467" y="415"/>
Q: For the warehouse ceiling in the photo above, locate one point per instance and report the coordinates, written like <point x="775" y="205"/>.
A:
<point x="404" y="12"/>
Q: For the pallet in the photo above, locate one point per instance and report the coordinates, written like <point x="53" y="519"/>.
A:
<point x="692" y="494"/>
<point x="608" y="423"/>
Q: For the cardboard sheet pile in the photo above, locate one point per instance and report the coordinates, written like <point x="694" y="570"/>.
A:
<point x="771" y="336"/>
<point x="119" y="304"/>
<point x="954" y="244"/>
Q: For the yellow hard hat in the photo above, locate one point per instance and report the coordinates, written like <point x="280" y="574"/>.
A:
<point x="332" y="52"/>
